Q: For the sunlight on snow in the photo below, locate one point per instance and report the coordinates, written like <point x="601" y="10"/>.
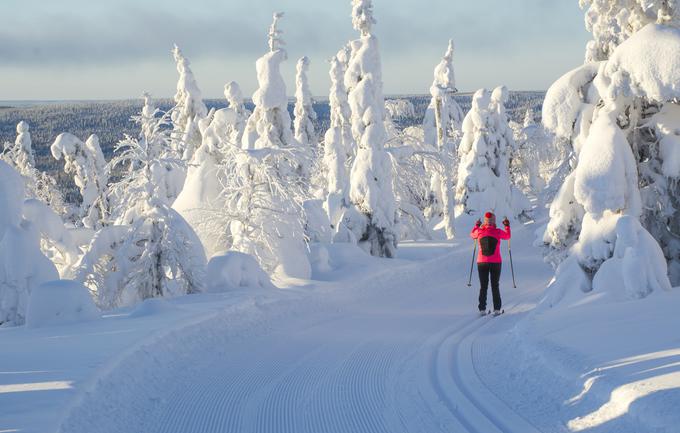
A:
<point x="621" y="399"/>
<point x="36" y="386"/>
<point x="586" y="388"/>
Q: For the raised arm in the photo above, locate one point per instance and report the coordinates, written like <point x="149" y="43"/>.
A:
<point x="505" y="234"/>
<point x="474" y="233"/>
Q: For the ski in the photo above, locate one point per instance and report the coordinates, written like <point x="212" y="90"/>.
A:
<point x="497" y="314"/>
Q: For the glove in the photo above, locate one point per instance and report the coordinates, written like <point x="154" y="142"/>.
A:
<point x="506" y="222"/>
<point x="478" y="223"/>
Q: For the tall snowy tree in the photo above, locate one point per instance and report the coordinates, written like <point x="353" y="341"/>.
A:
<point x="484" y="172"/>
<point x="442" y="125"/>
<point x="258" y="185"/>
<point x="338" y="144"/>
<point x="373" y="218"/>
<point x="304" y="109"/>
<point x="85" y="161"/>
<point x="189" y="109"/>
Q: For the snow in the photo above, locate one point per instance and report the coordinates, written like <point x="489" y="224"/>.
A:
<point x="60" y="302"/>
<point x="649" y="61"/>
<point x="565" y="99"/>
<point x="359" y="334"/>
<point x="606" y="177"/>
<point x="233" y="270"/>
<point x="23" y="266"/>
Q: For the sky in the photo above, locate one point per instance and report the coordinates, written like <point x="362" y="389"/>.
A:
<point x="105" y="49"/>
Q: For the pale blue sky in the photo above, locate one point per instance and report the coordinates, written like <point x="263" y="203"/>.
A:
<point x="86" y="49"/>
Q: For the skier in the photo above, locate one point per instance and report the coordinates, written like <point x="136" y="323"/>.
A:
<point x="489" y="258"/>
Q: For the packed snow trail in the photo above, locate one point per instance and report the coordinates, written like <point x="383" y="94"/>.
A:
<point x="396" y="358"/>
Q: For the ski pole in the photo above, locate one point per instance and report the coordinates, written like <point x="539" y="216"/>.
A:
<point x="472" y="264"/>
<point x="512" y="269"/>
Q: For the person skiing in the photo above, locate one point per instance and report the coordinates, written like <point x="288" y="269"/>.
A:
<point x="489" y="260"/>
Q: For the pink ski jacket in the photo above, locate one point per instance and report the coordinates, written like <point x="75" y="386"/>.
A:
<point x="489" y="237"/>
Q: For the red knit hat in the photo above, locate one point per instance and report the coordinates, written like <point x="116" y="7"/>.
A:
<point x="489" y="218"/>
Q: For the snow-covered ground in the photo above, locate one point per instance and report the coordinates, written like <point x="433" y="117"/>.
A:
<point x="370" y="346"/>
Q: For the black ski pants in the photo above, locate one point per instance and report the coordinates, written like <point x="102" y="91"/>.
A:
<point x="487" y="270"/>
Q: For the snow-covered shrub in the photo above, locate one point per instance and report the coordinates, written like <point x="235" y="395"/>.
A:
<point x="189" y="109"/>
<point x="265" y="209"/>
<point x="234" y="270"/>
<point x="484" y="181"/>
<point x="23" y="267"/>
<point x="156" y="254"/>
<point x="60" y="302"/>
<point x="317" y="225"/>
<point x="305" y="116"/>
<point x="373" y="219"/>
<point x="338" y="143"/>
<point x="150" y="251"/>
<point x="400" y="109"/>
<point x="86" y="163"/>
<point x="624" y="172"/>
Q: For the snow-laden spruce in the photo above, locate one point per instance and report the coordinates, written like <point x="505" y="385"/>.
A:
<point x="305" y="116"/>
<point x="23" y="267"/>
<point x="372" y="219"/>
<point x="338" y="142"/>
<point x="484" y="181"/>
<point x="149" y="251"/>
<point x="627" y="169"/>
<point x="263" y="186"/>
<point x="86" y="163"/>
<point x="189" y="109"/>
<point x="442" y="128"/>
<point x="443" y="117"/>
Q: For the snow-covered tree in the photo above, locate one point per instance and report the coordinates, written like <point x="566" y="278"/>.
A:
<point x="622" y="193"/>
<point x="23" y="266"/>
<point x="304" y="109"/>
<point x="444" y="116"/>
<point x="269" y="124"/>
<point x="263" y="185"/>
<point x="442" y="128"/>
<point x="233" y="121"/>
<point x="86" y="163"/>
<point x="189" y="109"/>
<point x="23" y="144"/>
<point x="484" y="181"/>
<point x="372" y="219"/>
<point x="150" y="250"/>
<point x="338" y="144"/>
<point x="38" y="184"/>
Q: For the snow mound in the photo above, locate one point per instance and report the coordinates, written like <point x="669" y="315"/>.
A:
<point x="650" y="60"/>
<point x="564" y="100"/>
<point x="60" y="302"/>
<point x="152" y="307"/>
<point x="234" y="270"/>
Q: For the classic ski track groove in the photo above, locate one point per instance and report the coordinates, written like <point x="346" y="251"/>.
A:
<point x="496" y="416"/>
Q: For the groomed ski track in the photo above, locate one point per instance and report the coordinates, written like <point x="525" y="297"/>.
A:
<point x="394" y="354"/>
